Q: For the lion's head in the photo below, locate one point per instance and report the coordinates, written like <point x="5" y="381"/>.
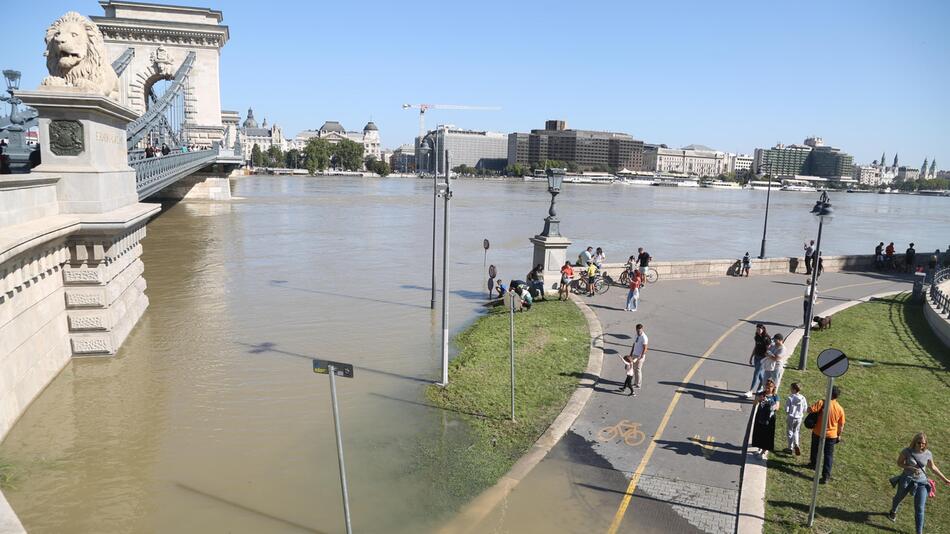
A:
<point x="76" y="56"/>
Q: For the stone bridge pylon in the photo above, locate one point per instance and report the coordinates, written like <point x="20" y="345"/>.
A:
<point x="153" y="41"/>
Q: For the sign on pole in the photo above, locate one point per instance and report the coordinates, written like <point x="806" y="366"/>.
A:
<point x="832" y="363"/>
<point x="485" y="244"/>
<point x="333" y="370"/>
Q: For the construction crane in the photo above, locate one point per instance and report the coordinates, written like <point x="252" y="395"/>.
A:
<point x="425" y="107"/>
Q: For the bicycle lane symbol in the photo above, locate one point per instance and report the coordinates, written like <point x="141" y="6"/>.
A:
<point x="630" y="432"/>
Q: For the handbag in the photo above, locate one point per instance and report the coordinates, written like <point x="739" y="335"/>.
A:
<point x="812" y="419"/>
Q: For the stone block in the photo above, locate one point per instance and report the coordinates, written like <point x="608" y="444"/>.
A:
<point x="80" y="321"/>
<point x="84" y="298"/>
<point x="87" y="345"/>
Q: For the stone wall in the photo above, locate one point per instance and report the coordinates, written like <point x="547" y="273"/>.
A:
<point x="676" y="270"/>
<point x="938" y="319"/>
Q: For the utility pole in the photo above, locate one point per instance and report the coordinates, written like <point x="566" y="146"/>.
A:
<point x="435" y="197"/>
<point x="511" y="336"/>
<point x="445" y="274"/>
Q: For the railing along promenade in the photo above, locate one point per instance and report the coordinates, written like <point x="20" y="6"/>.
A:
<point x="939" y="297"/>
<point x="154" y="174"/>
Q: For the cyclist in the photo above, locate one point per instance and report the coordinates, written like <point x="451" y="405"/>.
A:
<point x="643" y="260"/>
<point x="591" y="278"/>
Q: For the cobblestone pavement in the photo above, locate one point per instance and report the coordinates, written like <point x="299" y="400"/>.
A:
<point x="681" y="437"/>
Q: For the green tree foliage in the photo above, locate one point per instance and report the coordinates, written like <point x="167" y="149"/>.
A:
<point x="257" y="157"/>
<point x="291" y="158"/>
<point x="465" y="169"/>
<point x="316" y="155"/>
<point x="377" y="166"/>
<point x="516" y="170"/>
<point x="347" y="155"/>
<point x="274" y="156"/>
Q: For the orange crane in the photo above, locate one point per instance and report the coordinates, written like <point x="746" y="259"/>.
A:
<point x="425" y="107"/>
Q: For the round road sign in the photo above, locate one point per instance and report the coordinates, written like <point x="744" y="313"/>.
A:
<point x="485" y="244"/>
<point x="832" y="362"/>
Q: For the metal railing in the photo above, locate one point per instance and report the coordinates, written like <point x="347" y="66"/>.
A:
<point x="154" y="174"/>
<point x="140" y="127"/>
<point x="940" y="298"/>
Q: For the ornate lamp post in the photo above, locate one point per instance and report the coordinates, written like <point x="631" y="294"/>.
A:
<point x="822" y="210"/>
<point x="550" y="247"/>
<point x="551" y="222"/>
<point x="14" y="126"/>
<point x="768" y="197"/>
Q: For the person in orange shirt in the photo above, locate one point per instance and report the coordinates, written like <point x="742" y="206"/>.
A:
<point x="567" y="276"/>
<point x="832" y="434"/>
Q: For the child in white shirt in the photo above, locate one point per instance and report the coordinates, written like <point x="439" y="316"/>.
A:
<point x="795" y="407"/>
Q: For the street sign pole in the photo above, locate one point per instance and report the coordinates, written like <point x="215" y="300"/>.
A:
<point x="511" y="336"/>
<point x="345" y="370"/>
<point x="832" y="363"/>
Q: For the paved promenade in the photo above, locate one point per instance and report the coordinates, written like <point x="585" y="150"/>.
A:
<point x="668" y="460"/>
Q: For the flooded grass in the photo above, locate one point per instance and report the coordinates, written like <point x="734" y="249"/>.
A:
<point x="551" y="350"/>
<point x="903" y="393"/>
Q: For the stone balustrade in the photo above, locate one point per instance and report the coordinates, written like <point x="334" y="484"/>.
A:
<point x="677" y="270"/>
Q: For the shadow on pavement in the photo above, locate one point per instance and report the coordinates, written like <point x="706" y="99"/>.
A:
<point x="601" y="306"/>
<point x="770" y="323"/>
<point x="703" y="392"/>
<point x="640" y="495"/>
<point x="696" y="356"/>
<point x="711" y="451"/>
<point x="857" y="517"/>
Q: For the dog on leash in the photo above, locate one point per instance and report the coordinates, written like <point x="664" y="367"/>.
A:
<point x="822" y="322"/>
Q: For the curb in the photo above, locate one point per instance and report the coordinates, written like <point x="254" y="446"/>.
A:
<point x="471" y="516"/>
<point x="751" y="514"/>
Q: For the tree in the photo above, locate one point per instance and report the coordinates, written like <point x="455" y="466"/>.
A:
<point x="291" y="158"/>
<point x="316" y="155"/>
<point x="379" y="167"/>
<point x="347" y="154"/>
<point x="465" y="169"/>
<point x="275" y="156"/>
<point x="516" y="170"/>
<point x="257" y="157"/>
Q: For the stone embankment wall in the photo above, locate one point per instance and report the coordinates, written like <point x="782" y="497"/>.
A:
<point x="938" y="318"/>
<point x="676" y="270"/>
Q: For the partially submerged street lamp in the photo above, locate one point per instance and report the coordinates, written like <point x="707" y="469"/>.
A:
<point x="823" y="210"/>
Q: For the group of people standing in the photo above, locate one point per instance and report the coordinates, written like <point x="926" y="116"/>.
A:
<point x="885" y="258"/>
<point x="164" y="150"/>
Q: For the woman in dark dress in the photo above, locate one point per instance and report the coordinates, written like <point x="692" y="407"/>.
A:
<point x="763" y="428"/>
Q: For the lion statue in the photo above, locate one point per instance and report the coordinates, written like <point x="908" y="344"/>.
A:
<point x="76" y="57"/>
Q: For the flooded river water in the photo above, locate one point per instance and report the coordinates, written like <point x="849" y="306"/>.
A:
<point x="210" y="418"/>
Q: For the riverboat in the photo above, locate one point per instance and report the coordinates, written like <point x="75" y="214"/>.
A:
<point x="800" y="186"/>
<point x="669" y="181"/>
<point x="763" y="185"/>
<point x="638" y="181"/>
<point x="721" y="184"/>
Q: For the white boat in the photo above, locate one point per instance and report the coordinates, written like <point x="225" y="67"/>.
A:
<point x="801" y="186"/>
<point x="763" y="185"/>
<point x="669" y="181"/>
<point x="722" y="184"/>
<point x="639" y="181"/>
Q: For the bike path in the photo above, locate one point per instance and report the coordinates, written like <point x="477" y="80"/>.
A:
<point x="684" y="455"/>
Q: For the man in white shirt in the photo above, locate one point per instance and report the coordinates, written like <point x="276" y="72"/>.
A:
<point x="638" y="352"/>
<point x="795" y="406"/>
<point x="586" y="257"/>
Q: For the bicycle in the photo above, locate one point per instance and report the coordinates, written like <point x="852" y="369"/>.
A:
<point x="581" y="285"/>
<point x="652" y="276"/>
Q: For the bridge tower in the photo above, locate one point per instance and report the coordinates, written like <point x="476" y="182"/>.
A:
<point x="161" y="38"/>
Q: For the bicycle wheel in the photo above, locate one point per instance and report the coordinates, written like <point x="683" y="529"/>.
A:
<point x="652" y="275"/>
<point x="579" y="286"/>
<point x="601" y="286"/>
<point x="624" y="278"/>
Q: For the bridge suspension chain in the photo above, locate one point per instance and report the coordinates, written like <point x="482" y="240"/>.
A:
<point x="168" y="109"/>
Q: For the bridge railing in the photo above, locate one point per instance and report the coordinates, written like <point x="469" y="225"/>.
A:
<point x="940" y="298"/>
<point x="153" y="174"/>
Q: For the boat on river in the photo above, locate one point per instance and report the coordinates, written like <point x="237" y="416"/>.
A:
<point x="801" y="186"/>
<point x="670" y="181"/>
<point x="722" y="184"/>
<point x="763" y="185"/>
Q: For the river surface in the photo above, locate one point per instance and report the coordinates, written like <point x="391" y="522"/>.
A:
<point x="210" y="418"/>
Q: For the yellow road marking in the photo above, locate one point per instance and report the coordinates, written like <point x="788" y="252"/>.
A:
<point x="635" y="479"/>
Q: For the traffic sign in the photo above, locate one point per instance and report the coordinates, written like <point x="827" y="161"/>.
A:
<point x="339" y="369"/>
<point x="832" y="362"/>
<point x="485" y="244"/>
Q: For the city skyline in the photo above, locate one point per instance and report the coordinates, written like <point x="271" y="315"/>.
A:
<point x="717" y="76"/>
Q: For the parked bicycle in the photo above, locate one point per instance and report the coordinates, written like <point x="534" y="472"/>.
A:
<point x="581" y="285"/>
<point x="651" y="276"/>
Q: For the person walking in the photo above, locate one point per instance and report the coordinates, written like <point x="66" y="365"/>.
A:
<point x="879" y="256"/>
<point x="165" y="150"/>
<point x="757" y="359"/>
<point x="795" y="406"/>
<point x="638" y="353"/>
<point x="836" y="421"/>
<point x="633" y="296"/>
<point x="567" y="277"/>
<point x="763" y="428"/>
<point x="775" y="358"/>
<point x="809" y="252"/>
<point x="915" y="460"/>
<point x="627" y="381"/>
<point x="746" y="264"/>
<point x="889" y="256"/>
<point x="807" y="305"/>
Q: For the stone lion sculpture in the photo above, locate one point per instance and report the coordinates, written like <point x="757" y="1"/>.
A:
<point x="76" y="57"/>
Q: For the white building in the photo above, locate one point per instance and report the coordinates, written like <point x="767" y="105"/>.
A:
<point x="263" y="136"/>
<point x="695" y="160"/>
<point x="741" y="164"/>
<point x="334" y="132"/>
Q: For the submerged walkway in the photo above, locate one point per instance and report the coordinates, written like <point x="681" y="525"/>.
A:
<point x="670" y="459"/>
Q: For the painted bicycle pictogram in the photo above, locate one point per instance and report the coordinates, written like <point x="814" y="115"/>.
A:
<point x="631" y="433"/>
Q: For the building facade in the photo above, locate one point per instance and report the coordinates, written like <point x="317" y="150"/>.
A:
<point x="907" y="174"/>
<point x="694" y="160"/>
<point x="403" y="159"/>
<point x="741" y="164"/>
<point x="334" y="132"/>
<point x="585" y="148"/>
<point x="481" y="150"/>
<point x="264" y="136"/>
<point x="812" y="158"/>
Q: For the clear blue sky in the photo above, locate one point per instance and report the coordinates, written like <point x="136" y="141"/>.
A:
<point x="868" y="76"/>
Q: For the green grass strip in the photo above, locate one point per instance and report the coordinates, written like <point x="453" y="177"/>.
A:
<point x="903" y="392"/>
<point x="551" y="352"/>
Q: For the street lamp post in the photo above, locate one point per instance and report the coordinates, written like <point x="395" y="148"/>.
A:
<point x="551" y="222"/>
<point x="768" y="197"/>
<point x="445" y="274"/>
<point x="435" y="200"/>
<point x="821" y="209"/>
